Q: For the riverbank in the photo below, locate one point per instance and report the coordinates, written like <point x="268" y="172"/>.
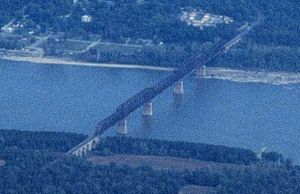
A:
<point x="276" y="78"/>
<point x="57" y="61"/>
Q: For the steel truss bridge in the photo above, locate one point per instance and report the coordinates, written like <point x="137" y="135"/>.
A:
<point x="118" y="117"/>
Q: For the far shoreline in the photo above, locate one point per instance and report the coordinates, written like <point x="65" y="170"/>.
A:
<point x="242" y="76"/>
<point x="58" y="61"/>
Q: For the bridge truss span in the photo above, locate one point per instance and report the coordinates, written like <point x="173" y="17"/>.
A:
<point x="146" y="95"/>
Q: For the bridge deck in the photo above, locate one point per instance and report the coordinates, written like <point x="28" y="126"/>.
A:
<point x="149" y="93"/>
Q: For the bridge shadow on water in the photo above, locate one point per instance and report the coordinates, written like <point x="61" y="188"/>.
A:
<point x="148" y="123"/>
<point x="177" y="101"/>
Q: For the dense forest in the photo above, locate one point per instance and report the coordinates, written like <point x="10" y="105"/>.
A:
<point x="30" y="168"/>
<point x="159" y="21"/>
<point x="281" y="58"/>
<point x="54" y="141"/>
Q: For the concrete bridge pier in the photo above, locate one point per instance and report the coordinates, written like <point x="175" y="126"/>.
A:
<point x="148" y="109"/>
<point x="98" y="56"/>
<point x="122" y="127"/>
<point x="202" y="71"/>
<point x="179" y="88"/>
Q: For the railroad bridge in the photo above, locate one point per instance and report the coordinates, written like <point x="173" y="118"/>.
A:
<point x="144" y="97"/>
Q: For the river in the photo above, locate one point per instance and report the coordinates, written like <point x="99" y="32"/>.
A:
<point x="75" y="98"/>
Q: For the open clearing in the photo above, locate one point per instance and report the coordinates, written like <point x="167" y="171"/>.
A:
<point x="193" y="189"/>
<point x="276" y="78"/>
<point x="162" y="162"/>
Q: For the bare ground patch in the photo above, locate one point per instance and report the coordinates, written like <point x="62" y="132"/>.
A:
<point x="193" y="189"/>
<point x="162" y="162"/>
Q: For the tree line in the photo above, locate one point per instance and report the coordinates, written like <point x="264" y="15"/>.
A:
<point x="39" y="140"/>
<point x="206" y="152"/>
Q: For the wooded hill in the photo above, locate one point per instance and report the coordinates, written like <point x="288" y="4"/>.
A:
<point x="29" y="168"/>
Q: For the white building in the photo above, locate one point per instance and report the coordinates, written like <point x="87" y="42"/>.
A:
<point x="86" y="18"/>
<point x="7" y="29"/>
